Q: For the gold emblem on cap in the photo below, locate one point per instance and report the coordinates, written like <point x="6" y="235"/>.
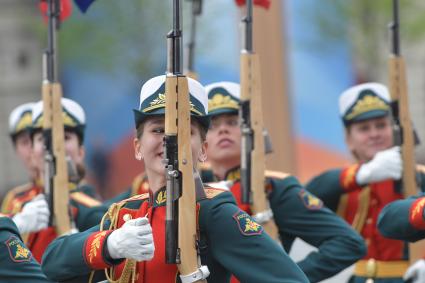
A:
<point x="366" y="104"/>
<point x="24" y="121"/>
<point x="127" y="217"/>
<point x="159" y="102"/>
<point x="67" y="121"/>
<point x="222" y="101"/>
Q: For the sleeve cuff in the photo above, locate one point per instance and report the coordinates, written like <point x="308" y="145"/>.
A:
<point x="416" y="214"/>
<point x="348" y="178"/>
<point x="94" y="250"/>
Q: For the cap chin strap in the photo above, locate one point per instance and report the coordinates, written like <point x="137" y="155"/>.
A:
<point x="200" y="274"/>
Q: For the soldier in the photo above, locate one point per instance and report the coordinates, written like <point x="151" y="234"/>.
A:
<point x="359" y="192"/>
<point x="20" y="123"/>
<point x="296" y="212"/>
<point x="16" y="261"/>
<point x="31" y="203"/>
<point x="230" y="241"/>
<point x="35" y="215"/>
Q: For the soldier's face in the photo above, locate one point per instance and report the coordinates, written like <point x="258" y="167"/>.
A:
<point x="150" y="146"/>
<point x="23" y="149"/>
<point x="368" y="137"/>
<point x="224" y="140"/>
<point x="72" y="149"/>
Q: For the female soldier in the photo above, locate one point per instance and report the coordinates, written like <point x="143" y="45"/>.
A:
<point x="296" y="212"/>
<point x="29" y="208"/>
<point x="230" y="241"/>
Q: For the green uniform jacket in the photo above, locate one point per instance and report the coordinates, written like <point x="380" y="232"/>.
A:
<point x="298" y="213"/>
<point x="231" y="242"/>
<point x="404" y="219"/>
<point x="16" y="262"/>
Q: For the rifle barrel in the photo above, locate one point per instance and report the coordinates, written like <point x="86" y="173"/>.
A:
<point x="247" y="21"/>
<point x="51" y="52"/>
<point x="395" y="30"/>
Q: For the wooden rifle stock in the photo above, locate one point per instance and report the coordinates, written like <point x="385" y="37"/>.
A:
<point x="250" y="90"/>
<point x="398" y="90"/>
<point x="177" y="110"/>
<point x="53" y="122"/>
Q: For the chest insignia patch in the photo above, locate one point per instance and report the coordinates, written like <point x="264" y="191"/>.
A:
<point x="310" y="201"/>
<point x="161" y="197"/>
<point x="247" y="226"/>
<point x="17" y="250"/>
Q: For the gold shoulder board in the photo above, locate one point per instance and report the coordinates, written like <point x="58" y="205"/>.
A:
<point x="212" y="192"/>
<point x="276" y="174"/>
<point x="84" y="199"/>
<point x="136" y="197"/>
<point x="12" y="194"/>
<point x="420" y="168"/>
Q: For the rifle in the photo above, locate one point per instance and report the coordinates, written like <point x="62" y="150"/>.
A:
<point x="404" y="132"/>
<point x="253" y="149"/>
<point x="190" y="46"/>
<point x="181" y="235"/>
<point x="55" y="167"/>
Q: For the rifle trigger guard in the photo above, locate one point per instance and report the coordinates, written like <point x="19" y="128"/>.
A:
<point x="200" y="274"/>
<point x="263" y="216"/>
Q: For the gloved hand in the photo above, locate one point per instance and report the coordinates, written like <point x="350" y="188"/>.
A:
<point x="133" y="240"/>
<point x="416" y="272"/>
<point x="34" y="215"/>
<point x="386" y="164"/>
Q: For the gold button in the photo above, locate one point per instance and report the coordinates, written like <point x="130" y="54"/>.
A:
<point x="371" y="267"/>
<point x="127" y="217"/>
<point x="369" y="221"/>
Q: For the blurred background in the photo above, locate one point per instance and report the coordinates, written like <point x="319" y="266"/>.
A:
<point x="310" y="52"/>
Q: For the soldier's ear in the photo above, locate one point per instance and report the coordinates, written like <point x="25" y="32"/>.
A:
<point x="349" y="142"/>
<point x="82" y="152"/>
<point x="202" y="155"/>
<point x="137" y="149"/>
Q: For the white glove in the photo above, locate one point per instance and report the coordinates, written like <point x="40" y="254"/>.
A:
<point x="133" y="240"/>
<point x="34" y="215"/>
<point x="386" y="164"/>
<point x="416" y="272"/>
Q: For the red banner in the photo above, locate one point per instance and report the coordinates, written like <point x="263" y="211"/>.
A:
<point x="65" y="9"/>
<point x="262" y="3"/>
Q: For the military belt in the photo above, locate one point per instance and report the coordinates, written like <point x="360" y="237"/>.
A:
<point x="372" y="268"/>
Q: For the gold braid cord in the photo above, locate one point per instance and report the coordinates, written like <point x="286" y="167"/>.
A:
<point x="342" y="206"/>
<point x="362" y="210"/>
<point x="129" y="271"/>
